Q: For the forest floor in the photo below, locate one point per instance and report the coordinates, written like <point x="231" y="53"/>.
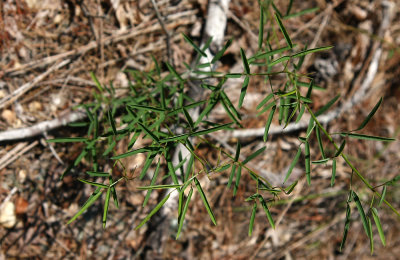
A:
<point x="48" y="49"/>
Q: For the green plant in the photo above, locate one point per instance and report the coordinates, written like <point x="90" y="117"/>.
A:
<point x="157" y="107"/>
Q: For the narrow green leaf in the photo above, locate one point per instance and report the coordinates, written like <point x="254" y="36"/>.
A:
<point x="253" y="216"/>
<point x="195" y="47"/>
<point x="289" y="7"/>
<point x="159" y="187"/>
<point x="370" y="115"/>
<point x="188" y="117"/>
<point x="279" y="60"/>
<point x="254" y="155"/>
<point x="277" y="12"/>
<point x="106" y="203"/>
<point x="100" y="185"/>
<point x="327" y="106"/>
<point x="98" y="174"/>
<point x="378" y="225"/>
<point x="230" y="105"/>
<point x="222" y="168"/>
<point x="283" y="30"/>
<point x="114" y="192"/>
<point x="294" y="162"/>
<point x="234" y="75"/>
<point x="322" y="161"/>
<point x="371" y="238"/>
<point x="210" y="130"/>
<point x="314" y="86"/>
<point x="268" y="54"/>
<point x="222" y="51"/>
<point x="290" y="188"/>
<point x="320" y="144"/>
<point x="333" y="172"/>
<point x="243" y="90"/>
<point x="78" y="124"/>
<point x="174" y="72"/>
<point x="185" y="208"/>
<point x="154" y="211"/>
<point x="265" y="100"/>
<point x="238" y="175"/>
<point x="205" y="201"/>
<point x="307" y="162"/>
<point x="267" y="212"/>
<point x="306" y="11"/>
<point x="362" y="213"/>
<point x="174" y="138"/>
<point x="245" y="62"/>
<point x="300" y="115"/>
<point x="341" y="148"/>
<point x="383" y="195"/>
<point x="306" y="52"/>
<point x="393" y="181"/>
<point x="110" y="148"/>
<point x="133" y="152"/>
<point x="96" y="81"/>
<point x="147" y="108"/>
<point x="153" y="181"/>
<point x="233" y="171"/>
<point x="150" y="133"/>
<point x="149" y="159"/>
<point x="346" y="226"/>
<point x="87" y="204"/>
<point x="111" y="121"/>
<point x="189" y="168"/>
<point x="67" y="140"/>
<point x="367" y="137"/>
<point x="229" y="113"/>
<point x="268" y="123"/>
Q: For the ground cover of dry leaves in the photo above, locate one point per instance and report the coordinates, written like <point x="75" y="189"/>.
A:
<point x="48" y="49"/>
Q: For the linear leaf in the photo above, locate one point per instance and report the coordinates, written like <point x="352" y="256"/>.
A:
<point x="153" y="181"/>
<point x="320" y="144"/>
<point x="253" y="216"/>
<point x="174" y="72"/>
<point x="111" y="121"/>
<point x="87" y="204"/>
<point x="96" y="81"/>
<point x="327" y="106"/>
<point x="309" y="51"/>
<point x="367" y="137"/>
<point x="322" y="161"/>
<point x="228" y="111"/>
<point x="378" y="225"/>
<point x="306" y="11"/>
<point x="265" y="100"/>
<point x="268" y="123"/>
<point x="185" y="208"/>
<point x="205" y="201"/>
<point x="307" y="162"/>
<point x="210" y="130"/>
<point x="98" y="174"/>
<point x="393" y="181"/>
<point x="100" y="185"/>
<point x="370" y="115"/>
<point x="279" y="60"/>
<point x="283" y="30"/>
<point x="341" y="148"/>
<point x="106" y="203"/>
<point x="333" y="172"/>
<point x="243" y="90"/>
<point x="230" y="105"/>
<point x="221" y="52"/>
<point x="114" y="192"/>
<point x="150" y="133"/>
<point x="245" y="62"/>
<point x="267" y="212"/>
<point x="314" y="86"/>
<point x="294" y="162"/>
<point x="233" y="75"/>
<point x="346" y="226"/>
<point x="362" y="213"/>
<point x="383" y="195"/>
<point x="133" y="152"/>
<point x="159" y="187"/>
<point x="67" y="140"/>
<point x="371" y="239"/>
<point x="265" y="55"/>
<point x="195" y="47"/>
<point x="154" y="211"/>
<point x="254" y="155"/>
<point x="238" y="175"/>
<point x="233" y="170"/>
<point x="290" y="188"/>
<point x="147" y="108"/>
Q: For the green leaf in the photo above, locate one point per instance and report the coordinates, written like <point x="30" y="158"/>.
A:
<point x="309" y="51"/>
<point x="205" y="202"/>
<point x="221" y="52"/>
<point x="111" y="121"/>
<point x="307" y="162"/>
<point x="210" y="130"/>
<point x="333" y="172"/>
<point x="174" y="72"/>
<point x="234" y="75"/>
<point x="267" y="212"/>
<point x="230" y="105"/>
<point x="159" y="187"/>
<point x="265" y="55"/>
<point x="279" y="60"/>
<point x="245" y="62"/>
<point x="306" y="11"/>
<point x="254" y="155"/>
<point x="320" y="144"/>
<point x="153" y="181"/>
<point x="314" y="86"/>
<point x="378" y="225"/>
<point x="367" y="137"/>
<point x="327" y="106"/>
<point x="322" y="161"/>
<point x="294" y="162"/>
<point x="370" y="115"/>
<point x="185" y="208"/>
<point x="150" y="133"/>
<point x="346" y="226"/>
<point x="253" y="216"/>
<point x="106" y="203"/>
<point x="98" y="174"/>
<point x="114" y="192"/>
<point x="362" y="213"/>
<point x="154" y="211"/>
<point x="233" y="170"/>
<point x="341" y="148"/>
<point x="371" y="239"/>
<point x="87" y="204"/>
<point x="188" y="117"/>
<point x="382" y="195"/>
<point x="100" y="185"/>
<point x="238" y="175"/>
<point x="96" y="81"/>
<point x="229" y="113"/>
<point x="265" y="100"/>
<point x="268" y="123"/>
<point x="133" y="152"/>
<point x="67" y="140"/>
<point x="195" y="47"/>
<point x="147" y="108"/>
<point x="290" y="188"/>
<point x="283" y="30"/>
<point x="243" y="90"/>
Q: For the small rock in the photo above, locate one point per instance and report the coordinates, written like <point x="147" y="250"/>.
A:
<point x="7" y="215"/>
<point x="9" y="116"/>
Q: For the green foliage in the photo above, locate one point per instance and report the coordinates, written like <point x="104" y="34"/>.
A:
<point x="157" y="105"/>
